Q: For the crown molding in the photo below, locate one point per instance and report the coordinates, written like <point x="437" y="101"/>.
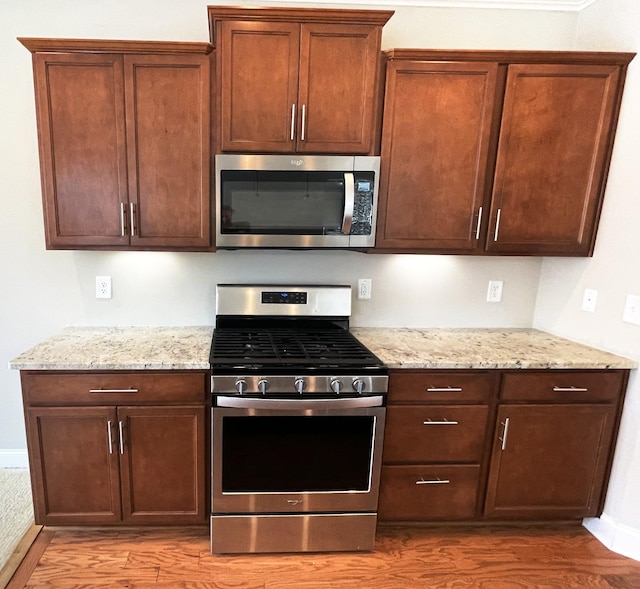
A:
<point x="554" y="5"/>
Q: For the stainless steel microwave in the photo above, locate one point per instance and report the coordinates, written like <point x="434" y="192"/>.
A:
<point x="296" y="201"/>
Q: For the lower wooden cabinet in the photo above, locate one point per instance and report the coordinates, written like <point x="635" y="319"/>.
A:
<point x="110" y="464"/>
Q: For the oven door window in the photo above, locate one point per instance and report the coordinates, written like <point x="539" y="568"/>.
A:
<point x="294" y="454"/>
<point x="282" y="203"/>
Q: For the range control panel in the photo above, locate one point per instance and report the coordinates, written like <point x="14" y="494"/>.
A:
<point x="284" y="297"/>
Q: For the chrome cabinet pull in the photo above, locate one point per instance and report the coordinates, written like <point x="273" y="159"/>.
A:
<point x="570" y="390"/>
<point x="123" y="219"/>
<point x="443" y="422"/>
<point x="293" y="121"/>
<point x="444" y="389"/>
<point x="113" y="390"/>
<point x="132" y="210"/>
<point x="503" y="439"/>
<point x="109" y="437"/>
<point x="436" y="481"/>
<point x="304" y="122"/>
<point x="495" y="235"/>
<point x="479" y="221"/>
<point x="121" y="433"/>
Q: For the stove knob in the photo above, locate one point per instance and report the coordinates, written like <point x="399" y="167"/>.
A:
<point x="336" y="386"/>
<point x="300" y="385"/>
<point x="263" y="386"/>
<point x="358" y="385"/>
<point x="241" y="385"/>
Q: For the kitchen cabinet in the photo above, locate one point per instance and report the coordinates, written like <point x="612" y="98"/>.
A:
<point x="124" y="139"/>
<point x="435" y="444"/>
<point x="117" y="447"/>
<point x="496" y="152"/>
<point x="298" y="80"/>
<point x="553" y="444"/>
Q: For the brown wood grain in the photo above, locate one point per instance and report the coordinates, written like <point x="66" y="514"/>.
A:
<point x="496" y="557"/>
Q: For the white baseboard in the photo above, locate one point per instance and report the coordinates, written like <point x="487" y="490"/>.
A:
<point x="14" y="459"/>
<point x="622" y="539"/>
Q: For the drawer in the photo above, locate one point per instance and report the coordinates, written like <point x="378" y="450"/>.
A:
<point x="442" y="386"/>
<point x="435" y="433"/>
<point x="114" y="388"/>
<point x="563" y="386"/>
<point x="428" y="492"/>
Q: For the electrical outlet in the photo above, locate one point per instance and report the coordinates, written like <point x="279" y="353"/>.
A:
<point x="494" y="292"/>
<point x="364" y="288"/>
<point x="103" y="287"/>
<point x="632" y="310"/>
<point x="589" y="300"/>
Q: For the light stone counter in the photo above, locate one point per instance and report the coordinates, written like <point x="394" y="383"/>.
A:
<point x="482" y="348"/>
<point x="120" y="348"/>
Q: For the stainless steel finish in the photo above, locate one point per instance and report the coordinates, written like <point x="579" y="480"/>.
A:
<point x="505" y="431"/>
<point x="298" y="404"/>
<point x="304" y="122"/>
<point x="113" y="390"/>
<point x="444" y="389"/>
<point x="339" y="163"/>
<point x="292" y="533"/>
<point x="479" y="223"/>
<point x="433" y="482"/>
<point x="570" y="390"/>
<point x="349" y="201"/>
<point x="495" y="235"/>
<point x="443" y="422"/>
<point x="311" y="385"/>
<point x="293" y="121"/>
<point x="132" y="210"/>
<point x="123" y="214"/>
<point x="263" y="386"/>
<point x="322" y="301"/>
<point x="121" y="434"/>
<point x="109" y="437"/>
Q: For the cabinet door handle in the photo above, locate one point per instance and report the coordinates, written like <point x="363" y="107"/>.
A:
<point x="442" y="422"/>
<point x="113" y="390"/>
<point x="436" y="481"/>
<point x="503" y="439"/>
<point x="304" y="122"/>
<point x="109" y="437"/>
<point x="478" y="225"/>
<point x="444" y="389"/>
<point x="570" y="390"/>
<point x="132" y="210"/>
<point x="123" y="219"/>
<point x="293" y="121"/>
<point x="121" y="435"/>
<point x="495" y="234"/>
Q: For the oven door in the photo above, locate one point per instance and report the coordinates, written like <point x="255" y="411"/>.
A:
<point x="296" y="456"/>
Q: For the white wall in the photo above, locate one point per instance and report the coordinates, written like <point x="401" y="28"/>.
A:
<point x="614" y="270"/>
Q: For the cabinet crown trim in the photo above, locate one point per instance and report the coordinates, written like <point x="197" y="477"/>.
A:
<point x="41" y="45"/>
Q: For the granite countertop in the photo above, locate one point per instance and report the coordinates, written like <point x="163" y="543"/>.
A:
<point x="165" y="348"/>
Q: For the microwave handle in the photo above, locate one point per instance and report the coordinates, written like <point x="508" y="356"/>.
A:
<point x="349" y="201"/>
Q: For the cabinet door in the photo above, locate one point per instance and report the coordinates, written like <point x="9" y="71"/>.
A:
<point x="553" y="153"/>
<point x="73" y="455"/>
<point x="163" y="465"/>
<point x="549" y="461"/>
<point x="168" y="141"/>
<point x="435" y="141"/>
<point x="258" y="85"/>
<point x="339" y="66"/>
<point x="80" y="107"/>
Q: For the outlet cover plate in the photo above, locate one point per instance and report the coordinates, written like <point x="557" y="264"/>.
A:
<point x="589" y="299"/>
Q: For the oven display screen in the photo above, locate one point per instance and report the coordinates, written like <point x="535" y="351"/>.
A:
<point x="284" y="298"/>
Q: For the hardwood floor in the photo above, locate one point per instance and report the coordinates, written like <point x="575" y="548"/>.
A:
<point x="496" y="557"/>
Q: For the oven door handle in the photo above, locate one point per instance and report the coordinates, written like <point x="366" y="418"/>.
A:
<point x="349" y="202"/>
<point x="299" y="404"/>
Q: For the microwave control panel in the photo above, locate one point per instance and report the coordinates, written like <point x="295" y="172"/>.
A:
<point x="363" y="203"/>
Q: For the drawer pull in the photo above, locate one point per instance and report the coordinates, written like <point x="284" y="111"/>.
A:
<point x="443" y="422"/>
<point x="570" y="390"/>
<point x="503" y="439"/>
<point x="113" y="390"/>
<point x="444" y="389"/>
<point x="436" y="481"/>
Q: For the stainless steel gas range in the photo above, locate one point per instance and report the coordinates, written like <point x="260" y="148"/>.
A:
<point x="297" y="422"/>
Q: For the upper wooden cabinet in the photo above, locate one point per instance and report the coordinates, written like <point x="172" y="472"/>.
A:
<point x="124" y="137"/>
<point x="496" y="152"/>
<point x="298" y="80"/>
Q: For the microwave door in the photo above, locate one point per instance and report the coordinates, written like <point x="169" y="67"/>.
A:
<point x="349" y="202"/>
